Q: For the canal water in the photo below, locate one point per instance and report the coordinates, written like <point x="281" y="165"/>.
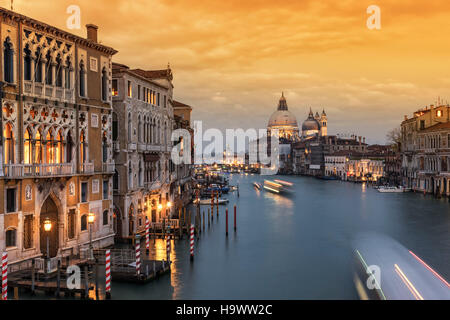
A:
<point x="296" y="247"/>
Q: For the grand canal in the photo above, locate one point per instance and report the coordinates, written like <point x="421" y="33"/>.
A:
<point x="297" y="247"/>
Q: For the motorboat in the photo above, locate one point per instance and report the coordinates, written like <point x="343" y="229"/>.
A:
<point x="278" y="186"/>
<point x="392" y="189"/>
<point x="257" y="185"/>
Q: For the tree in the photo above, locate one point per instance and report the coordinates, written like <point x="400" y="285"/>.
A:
<point x="394" y="138"/>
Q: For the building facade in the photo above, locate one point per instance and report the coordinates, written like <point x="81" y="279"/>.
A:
<point x="143" y="121"/>
<point x="425" y="150"/>
<point x="56" y="145"/>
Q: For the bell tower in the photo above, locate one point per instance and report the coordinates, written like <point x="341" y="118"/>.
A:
<point x="323" y="124"/>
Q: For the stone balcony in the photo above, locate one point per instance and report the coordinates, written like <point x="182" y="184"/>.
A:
<point x="109" y="167"/>
<point x="132" y="146"/>
<point x="116" y="146"/>
<point x="42" y="90"/>
<point x="87" y="168"/>
<point x="38" y="170"/>
<point x="153" y="186"/>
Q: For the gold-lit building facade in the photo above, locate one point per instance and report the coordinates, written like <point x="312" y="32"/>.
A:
<point x="56" y="150"/>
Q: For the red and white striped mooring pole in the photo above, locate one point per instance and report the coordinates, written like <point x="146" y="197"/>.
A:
<point x="147" y="235"/>
<point x="108" y="274"/>
<point x="192" y="242"/>
<point x="5" y="276"/>
<point x="168" y="248"/>
<point x="138" y="255"/>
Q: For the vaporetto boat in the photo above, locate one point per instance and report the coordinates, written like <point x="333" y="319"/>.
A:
<point x="392" y="189"/>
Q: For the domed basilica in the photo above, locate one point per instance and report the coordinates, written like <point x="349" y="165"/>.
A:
<point x="286" y="123"/>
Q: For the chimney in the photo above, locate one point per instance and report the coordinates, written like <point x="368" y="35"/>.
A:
<point x="364" y="140"/>
<point x="92" y="32"/>
<point x="406" y="117"/>
<point x="359" y="138"/>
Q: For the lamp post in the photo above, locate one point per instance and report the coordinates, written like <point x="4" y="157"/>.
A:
<point x="48" y="228"/>
<point x="91" y="219"/>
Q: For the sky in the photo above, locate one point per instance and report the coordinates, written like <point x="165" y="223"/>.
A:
<point x="232" y="59"/>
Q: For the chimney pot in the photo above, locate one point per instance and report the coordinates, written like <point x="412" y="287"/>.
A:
<point x="92" y="32"/>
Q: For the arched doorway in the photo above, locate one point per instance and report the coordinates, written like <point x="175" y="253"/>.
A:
<point x="117" y="223"/>
<point x="49" y="211"/>
<point x="131" y="220"/>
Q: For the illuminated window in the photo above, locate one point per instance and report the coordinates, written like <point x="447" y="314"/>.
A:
<point x="130" y="89"/>
<point x="28" y="154"/>
<point x="59" y="149"/>
<point x="50" y="147"/>
<point x="82" y="147"/>
<point x="39" y="147"/>
<point x="115" y="88"/>
<point x="8" y="135"/>
<point x="439" y="113"/>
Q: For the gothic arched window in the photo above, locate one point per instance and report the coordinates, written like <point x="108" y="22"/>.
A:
<point x="59" y="71"/>
<point x="129" y="127"/>
<point x="104" y="85"/>
<point x="39" y="146"/>
<point x="139" y="129"/>
<point x="105" y="148"/>
<point x="48" y="69"/>
<point x="50" y="147"/>
<point x="130" y="175"/>
<point x="69" y="147"/>
<point x="67" y="71"/>
<point x="27" y="63"/>
<point x="38" y="67"/>
<point x="27" y="148"/>
<point x="8" y="136"/>
<point x="82" y="80"/>
<point x="59" y="148"/>
<point x="82" y="147"/>
<point x="8" y="61"/>
<point x="115" y="127"/>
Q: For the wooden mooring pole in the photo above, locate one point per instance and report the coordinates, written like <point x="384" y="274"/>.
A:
<point x="235" y="226"/>
<point x="226" y="223"/>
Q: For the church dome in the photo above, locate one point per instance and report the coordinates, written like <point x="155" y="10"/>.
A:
<point x="282" y="117"/>
<point x="310" y="123"/>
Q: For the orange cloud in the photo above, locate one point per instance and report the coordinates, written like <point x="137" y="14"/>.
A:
<point x="319" y="52"/>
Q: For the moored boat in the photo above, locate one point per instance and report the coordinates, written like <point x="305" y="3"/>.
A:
<point x="393" y="189"/>
<point x="208" y="201"/>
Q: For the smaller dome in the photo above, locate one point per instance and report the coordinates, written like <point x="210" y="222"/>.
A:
<point x="310" y="123"/>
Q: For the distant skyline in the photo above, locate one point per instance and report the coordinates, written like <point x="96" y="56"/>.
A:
<point x="232" y="59"/>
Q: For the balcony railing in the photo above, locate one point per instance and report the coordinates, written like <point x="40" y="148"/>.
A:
<point x="132" y="146"/>
<point x="38" y="170"/>
<point x="87" y="168"/>
<point x="39" y="89"/>
<point x="109" y="167"/>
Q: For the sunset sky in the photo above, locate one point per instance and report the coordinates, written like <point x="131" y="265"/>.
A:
<point x="231" y="59"/>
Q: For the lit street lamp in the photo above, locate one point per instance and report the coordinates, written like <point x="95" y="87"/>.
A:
<point x="91" y="219"/>
<point x="48" y="228"/>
